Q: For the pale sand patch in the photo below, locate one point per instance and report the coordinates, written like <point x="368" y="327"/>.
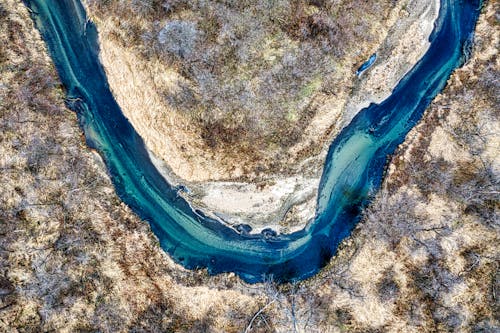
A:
<point x="245" y="198"/>
<point x="261" y="206"/>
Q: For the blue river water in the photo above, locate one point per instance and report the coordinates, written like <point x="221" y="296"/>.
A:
<point x="352" y="174"/>
<point x="367" y="64"/>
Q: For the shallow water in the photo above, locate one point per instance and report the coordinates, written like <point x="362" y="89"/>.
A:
<point x="352" y="174"/>
<point x="367" y="64"/>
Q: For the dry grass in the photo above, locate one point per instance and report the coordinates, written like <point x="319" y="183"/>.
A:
<point x="236" y="83"/>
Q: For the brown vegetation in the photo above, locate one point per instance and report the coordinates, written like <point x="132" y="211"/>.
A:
<point x="250" y="75"/>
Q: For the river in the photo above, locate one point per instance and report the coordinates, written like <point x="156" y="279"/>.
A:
<point x="353" y="170"/>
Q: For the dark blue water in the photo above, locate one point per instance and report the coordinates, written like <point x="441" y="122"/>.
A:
<point x="352" y="174"/>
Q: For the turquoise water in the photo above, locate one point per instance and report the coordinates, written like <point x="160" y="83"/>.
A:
<point x="352" y="174"/>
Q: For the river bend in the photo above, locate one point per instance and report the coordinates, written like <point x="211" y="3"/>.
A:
<point x="352" y="174"/>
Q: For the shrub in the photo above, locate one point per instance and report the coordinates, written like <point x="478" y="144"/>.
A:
<point x="178" y="38"/>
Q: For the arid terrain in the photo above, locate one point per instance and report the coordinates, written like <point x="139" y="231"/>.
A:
<point x="73" y="258"/>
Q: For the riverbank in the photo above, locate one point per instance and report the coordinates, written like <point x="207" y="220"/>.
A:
<point x="407" y="42"/>
<point x="251" y="192"/>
